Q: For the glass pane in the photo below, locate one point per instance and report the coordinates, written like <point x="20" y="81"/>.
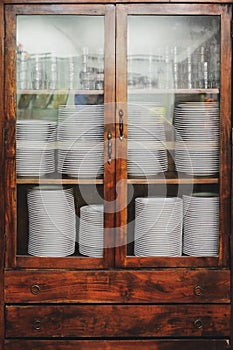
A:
<point x="173" y="135"/>
<point x="60" y="143"/>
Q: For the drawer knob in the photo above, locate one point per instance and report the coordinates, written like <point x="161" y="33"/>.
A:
<point x="198" y="324"/>
<point x="35" y="289"/>
<point x="36" y="325"/>
<point x="198" y="291"/>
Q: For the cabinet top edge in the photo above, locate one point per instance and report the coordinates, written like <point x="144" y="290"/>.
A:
<point x="105" y="2"/>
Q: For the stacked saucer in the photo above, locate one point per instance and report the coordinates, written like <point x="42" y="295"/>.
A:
<point x="91" y="230"/>
<point x="201" y="224"/>
<point x="197" y="138"/>
<point x="52" y="228"/>
<point x="158" y="226"/>
<point x="81" y="141"/>
<point x="147" y="154"/>
<point x="35" y="144"/>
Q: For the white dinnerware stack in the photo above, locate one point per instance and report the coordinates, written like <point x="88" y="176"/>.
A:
<point x="91" y="230"/>
<point x="201" y="224"/>
<point x="158" y="226"/>
<point x="147" y="155"/>
<point x="52" y="225"/>
<point x="35" y="147"/>
<point x="197" y="138"/>
<point x="81" y="140"/>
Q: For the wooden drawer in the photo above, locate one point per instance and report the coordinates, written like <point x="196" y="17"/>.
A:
<point x="77" y="321"/>
<point x="172" y="286"/>
<point x="117" y="344"/>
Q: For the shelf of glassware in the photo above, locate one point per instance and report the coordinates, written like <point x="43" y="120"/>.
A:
<point x="172" y="91"/>
<point x="60" y="92"/>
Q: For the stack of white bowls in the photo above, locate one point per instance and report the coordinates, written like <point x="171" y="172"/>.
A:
<point x="201" y="224"/>
<point x="52" y="226"/>
<point x="158" y="226"/>
<point x="35" y="147"/>
<point x="91" y="230"/>
<point x="197" y="138"/>
<point x="147" y="155"/>
<point x="81" y="141"/>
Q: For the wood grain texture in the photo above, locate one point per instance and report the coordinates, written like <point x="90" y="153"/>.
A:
<point x="78" y="321"/>
<point x="225" y="132"/>
<point x="121" y="144"/>
<point x="109" y="129"/>
<point x="173" y="9"/>
<point x="191" y="344"/>
<point x="53" y="8"/>
<point x="117" y="1"/>
<point x="181" y="286"/>
<point x="2" y="202"/>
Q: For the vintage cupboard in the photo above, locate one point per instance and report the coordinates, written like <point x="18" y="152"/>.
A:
<point x="116" y="175"/>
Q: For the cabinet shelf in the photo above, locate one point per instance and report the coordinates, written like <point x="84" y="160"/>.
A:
<point x="56" y="181"/>
<point x="173" y="181"/>
<point x="132" y="181"/>
<point x="172" y="91"/>
<point x="60" y="92"/>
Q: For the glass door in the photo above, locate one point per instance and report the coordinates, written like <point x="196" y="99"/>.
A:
<point x="173" y="142"/>
<point x="63" y="123"/>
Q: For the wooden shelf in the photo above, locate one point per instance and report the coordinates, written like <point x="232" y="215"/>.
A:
<point x="171" y="91"/>
<point x="60" y="92"/>
<point x="132" y="181"/>
<point x="173" y="181"/>
<point x="54" y="181"/>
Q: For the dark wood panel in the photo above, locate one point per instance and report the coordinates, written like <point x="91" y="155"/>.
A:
<point x="53" y="8"/>
<point x="182" y="286"/>
<point x="121" y="143"/>
<point x="174" y="9"/>
<point x="2" y="202"/>
<point x="117" y="344"/>
<point x="109" y="129"/>
<point x="225" y="132"/>
<point x="183" y="261"/>
<point x="10" y="119"/>
<point x="107" y="321"/>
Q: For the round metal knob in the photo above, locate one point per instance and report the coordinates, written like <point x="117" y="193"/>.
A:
<point x="36" y="325"/>
<point x="198" y="324"/>
<point x="198" y="291"/>
<point x="35" y="289"/>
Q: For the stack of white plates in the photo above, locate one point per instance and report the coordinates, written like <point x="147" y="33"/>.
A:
<point x="91" y="230"/>
<point x="81" y="140"/>
<point x="52" y="227"/>
<point x="35" y="142"/>
<point x="147" y="155"/>
<point x="158" y="226"/>
<point x="197" y="138"/>
<point x="201" y="224"/>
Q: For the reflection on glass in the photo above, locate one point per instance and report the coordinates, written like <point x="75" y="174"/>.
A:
<point x="56" y="56"/>
<point x="173" y="135"/>
<point x="160" y="56"/>
<point x="59" y="134"/>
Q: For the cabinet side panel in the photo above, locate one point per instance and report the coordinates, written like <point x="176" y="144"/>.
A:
<point x="2" y="245"/>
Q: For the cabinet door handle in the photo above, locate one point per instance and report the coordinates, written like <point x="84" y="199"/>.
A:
<point x="109" y="147"/>
<point x="121" y="124"/>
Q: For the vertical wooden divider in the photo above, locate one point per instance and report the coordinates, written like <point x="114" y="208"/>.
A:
<point x="121" y="144"/>
<point x="109" y="132"/>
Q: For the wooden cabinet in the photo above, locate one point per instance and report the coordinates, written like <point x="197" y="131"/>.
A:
<point x="117" y="158"/>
